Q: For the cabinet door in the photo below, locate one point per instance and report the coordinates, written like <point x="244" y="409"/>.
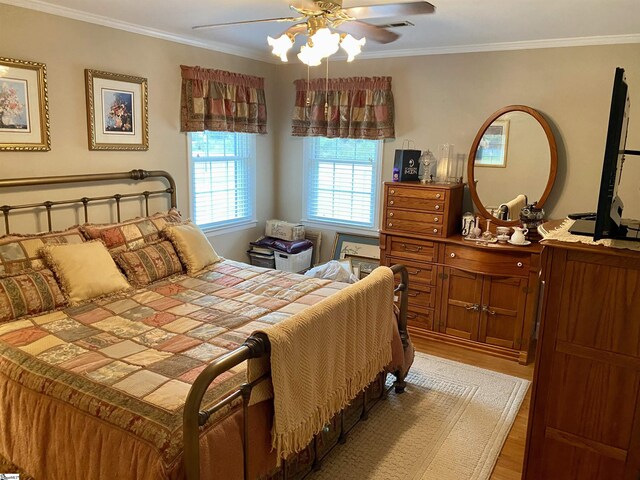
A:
<point x="503" y="305"/>
<point x="460" y="314"/>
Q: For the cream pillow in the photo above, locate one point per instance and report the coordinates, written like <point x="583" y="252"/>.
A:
<point x="85" y="270"/>
<point x="192" y="246"/>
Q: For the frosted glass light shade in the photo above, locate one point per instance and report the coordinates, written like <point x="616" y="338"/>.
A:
<point x="281" y="46"/>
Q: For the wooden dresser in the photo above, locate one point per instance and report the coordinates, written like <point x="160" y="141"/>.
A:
<point x="481" y="297"/>
<point x="584" y="420"/>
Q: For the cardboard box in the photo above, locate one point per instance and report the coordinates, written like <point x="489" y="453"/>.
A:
<point x="284" y="230"/>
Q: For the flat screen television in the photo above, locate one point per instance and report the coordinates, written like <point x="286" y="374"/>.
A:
<point x="607" y="222"/>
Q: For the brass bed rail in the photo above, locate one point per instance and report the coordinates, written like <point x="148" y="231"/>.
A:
<point x="254" y="347"/>
<point x="136" y="175"/>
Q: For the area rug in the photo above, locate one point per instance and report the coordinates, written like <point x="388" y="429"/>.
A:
<point x="450" y="424"/>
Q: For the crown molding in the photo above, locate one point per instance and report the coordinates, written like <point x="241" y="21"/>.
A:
<point x="71" y="13"/>
<point x="506" y="46"/>
<point x="266" y="57"/>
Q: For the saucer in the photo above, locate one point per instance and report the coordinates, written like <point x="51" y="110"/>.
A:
<point x="524" y="244"/>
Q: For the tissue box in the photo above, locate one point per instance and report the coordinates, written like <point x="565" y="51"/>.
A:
<point x="284" y="230"/>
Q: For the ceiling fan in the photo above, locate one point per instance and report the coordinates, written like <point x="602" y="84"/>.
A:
<point x="318" y="18"/>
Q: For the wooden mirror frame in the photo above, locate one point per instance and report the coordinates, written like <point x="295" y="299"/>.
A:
<point x="553" y="167"/>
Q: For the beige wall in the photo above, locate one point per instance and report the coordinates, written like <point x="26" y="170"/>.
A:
<point x="439" y="99"/>
<point x="446" y="98"/>
<point x="67" y="47"/>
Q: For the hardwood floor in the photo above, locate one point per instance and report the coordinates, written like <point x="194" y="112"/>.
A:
<point x="509" y="464"/>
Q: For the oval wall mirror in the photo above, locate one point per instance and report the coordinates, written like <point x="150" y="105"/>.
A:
<point x="513" y="162"/>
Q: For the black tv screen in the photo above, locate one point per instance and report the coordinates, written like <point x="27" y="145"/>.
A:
<point x="609" y="214"/>
<point x="608" y="218"/>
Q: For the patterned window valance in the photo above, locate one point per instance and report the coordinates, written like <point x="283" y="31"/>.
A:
<point x="357" y="107"/>
<point x="222" y="101"/>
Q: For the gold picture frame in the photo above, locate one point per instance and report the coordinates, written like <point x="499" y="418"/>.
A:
<point x="117" y="111"/>
<point x="24" y="106"/>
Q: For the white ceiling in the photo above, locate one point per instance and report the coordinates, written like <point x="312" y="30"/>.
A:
<point x="456" y="26"/>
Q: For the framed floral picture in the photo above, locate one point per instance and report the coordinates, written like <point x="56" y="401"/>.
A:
<point x="117" y="111"/>
<point x="24" y="107"/>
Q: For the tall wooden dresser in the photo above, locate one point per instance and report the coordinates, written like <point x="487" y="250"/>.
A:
<point x="480" y="297"/>
<point x="584" y="420"/>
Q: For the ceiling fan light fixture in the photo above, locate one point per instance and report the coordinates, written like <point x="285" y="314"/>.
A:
<point x="352" y="46"/>
<point x="281" y="45"/>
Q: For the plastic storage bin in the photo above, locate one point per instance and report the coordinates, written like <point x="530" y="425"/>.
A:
<point x="293" y="262"/>
<point x="261" y="260"/>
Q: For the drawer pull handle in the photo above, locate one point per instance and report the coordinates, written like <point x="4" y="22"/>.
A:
<point x="435" y="219"/>
<point x="390" y="224"/>
<point x="391" y="192"/>
<point x="485" y="308"/>
<point x="519" y="264"/>
<point x="435" y="230"/>
<point x="390" y="202"/>
<point x="411" y="316"/>
<point x="416" y="272"/>
<point x="472" y="307"/>
<point x="417" y="249"/>
<point x="453" y="255"/>
<point x="438" y="195"/>
<point x="415" y="294"/>
<point x="391" y="214"/>
<point x="437" y="207"/>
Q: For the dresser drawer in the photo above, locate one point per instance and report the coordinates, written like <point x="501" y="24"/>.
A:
<point x="406" y="226"/>
<point x="421" y="250"/>
<point x="413" y="203"/>
<point x="422" y="297"/>
<point x="422" y="319"/>
<point x="404" y="191"/>
<point x="419" y="273"/>
<point x="395" y="215"/>
<point x="487" y="262"/>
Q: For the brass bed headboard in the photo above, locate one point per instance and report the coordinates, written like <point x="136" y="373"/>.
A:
<point x="136" y="175"/>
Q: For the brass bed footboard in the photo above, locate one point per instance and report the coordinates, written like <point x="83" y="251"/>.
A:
<point x="254" y="347"/>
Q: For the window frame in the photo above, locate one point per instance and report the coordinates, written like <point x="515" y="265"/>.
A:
<point x="343" y="226"/>
<point x="234" y="225"/>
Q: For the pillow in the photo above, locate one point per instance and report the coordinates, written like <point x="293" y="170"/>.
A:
<point x="132" y="234"/>
<point x="29" y="294"/>
<point x="85" y="271"/>
<point x="19" y="253"/>
<point x="150" y="263"/>
<point x="192" y="246"/>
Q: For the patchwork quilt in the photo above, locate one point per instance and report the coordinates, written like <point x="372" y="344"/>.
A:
<point x="130" y="361"/>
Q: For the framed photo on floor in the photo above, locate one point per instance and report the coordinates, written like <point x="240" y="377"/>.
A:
<point x="24" y="106"/>
<point x="117" y="111"/>
<point x="362" y="251"/>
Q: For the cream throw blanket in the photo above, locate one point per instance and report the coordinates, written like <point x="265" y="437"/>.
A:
<point x="323" y="356"/>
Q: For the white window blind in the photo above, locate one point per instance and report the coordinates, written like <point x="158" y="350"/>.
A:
<point x="342" y="179"/>
<point x="222" y="178"/>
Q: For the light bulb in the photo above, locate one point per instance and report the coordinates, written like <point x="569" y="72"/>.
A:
<point x="281" y="46"/>
<point x="352" y="46"/>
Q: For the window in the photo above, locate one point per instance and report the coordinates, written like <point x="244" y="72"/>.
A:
<point x="222" y="179"/>
<point x="342" y="179"/>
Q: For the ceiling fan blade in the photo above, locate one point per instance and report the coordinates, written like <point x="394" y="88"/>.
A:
<point x="371" y="32"/>
<point x="390" y="10"/>
<point x="247" y="22"/>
